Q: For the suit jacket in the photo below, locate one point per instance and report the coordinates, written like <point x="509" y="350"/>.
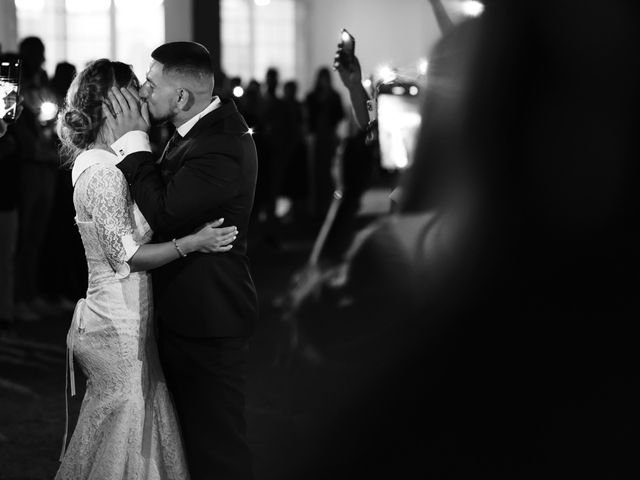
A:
<point x="208" y="174"/>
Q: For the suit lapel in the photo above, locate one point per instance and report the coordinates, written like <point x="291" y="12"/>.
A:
<point x="173" y="155"/>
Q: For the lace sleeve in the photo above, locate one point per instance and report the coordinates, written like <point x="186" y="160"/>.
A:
<point x="108" y="206"/>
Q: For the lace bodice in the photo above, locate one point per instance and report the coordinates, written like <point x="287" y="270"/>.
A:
<point x="101" y="197"/>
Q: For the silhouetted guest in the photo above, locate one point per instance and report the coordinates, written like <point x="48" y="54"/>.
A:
<point x="233" y="83"/>
<point x="296" y="173"/>
<point x="222" y="86"/>
<point x="63" y="271"/>
<point x="252" y="104"/>
<point x="324" y="107"/>
<point x="271" y="157"/>
<point x="35" y="130"/>
<point x="62" y="78"/>
<point x="251" y="109"/>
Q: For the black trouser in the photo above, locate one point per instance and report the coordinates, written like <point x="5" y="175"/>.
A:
<point x="206" y="378"/>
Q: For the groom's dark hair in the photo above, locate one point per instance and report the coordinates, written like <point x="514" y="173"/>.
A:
<point x="187" y="58"/>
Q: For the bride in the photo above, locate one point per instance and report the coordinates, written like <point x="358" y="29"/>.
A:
<point x="127" y="428"/>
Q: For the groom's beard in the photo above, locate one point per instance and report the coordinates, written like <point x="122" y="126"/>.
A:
<point x="156" y="121"/>
<point x="158" y="118"/>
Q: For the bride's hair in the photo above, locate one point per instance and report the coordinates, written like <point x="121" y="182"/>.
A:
<point x="81" y="118"/>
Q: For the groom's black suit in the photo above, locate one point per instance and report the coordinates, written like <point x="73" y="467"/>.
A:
<point x="206" y="304"/>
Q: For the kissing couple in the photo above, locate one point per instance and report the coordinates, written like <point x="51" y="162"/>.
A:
<point x="163" y="333"/>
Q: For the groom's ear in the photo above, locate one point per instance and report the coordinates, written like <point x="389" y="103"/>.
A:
<point x="185" y="99"/>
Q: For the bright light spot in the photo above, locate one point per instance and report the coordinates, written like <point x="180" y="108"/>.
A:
<point x="398" y="90"/>
<point x="366" y="83"/>
<point x="262" y="3"/>
<point x="423" y="66"/>
<point x="48" y="111"/>
<point x="238" y="91"/>
<point x="283" y="206"/>
<point x="413" y="90"/>
<point x="250" y="131"/>
<point x="345" y="36"/>
<point x="386" y="74"/>
<point x="30" y="5"/>
<point x="472" y="8"/>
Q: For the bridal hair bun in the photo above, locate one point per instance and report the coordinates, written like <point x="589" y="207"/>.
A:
<point x="78" y="127"/>
<point x="81" y="119"/>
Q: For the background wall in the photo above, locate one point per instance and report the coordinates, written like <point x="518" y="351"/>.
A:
<point x="178" y="20"/>
<point x="397" y="32"/>
<point x="393" y="32"/>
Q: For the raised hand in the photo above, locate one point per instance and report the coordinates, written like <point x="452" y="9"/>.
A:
<point x="125" y="112"/>
<point x="349" y="70"/>
<point x="214" y="239"/>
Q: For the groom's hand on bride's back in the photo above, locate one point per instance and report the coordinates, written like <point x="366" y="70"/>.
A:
<point x="125" y="112"/>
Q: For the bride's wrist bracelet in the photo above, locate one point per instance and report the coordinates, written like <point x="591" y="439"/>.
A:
<point x="180" y="251"/>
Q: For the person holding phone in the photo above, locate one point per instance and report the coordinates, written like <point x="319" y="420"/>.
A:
<point x="348" y="66"/>
<point x="10" y="164"/>
<point x="8" y="222"/>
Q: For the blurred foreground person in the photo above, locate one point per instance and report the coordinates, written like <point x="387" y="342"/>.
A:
<point x="127" y="427"/>
<point x="487" y="329"/>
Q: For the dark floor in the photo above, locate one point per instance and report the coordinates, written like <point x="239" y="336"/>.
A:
<point x="32" y="376"/>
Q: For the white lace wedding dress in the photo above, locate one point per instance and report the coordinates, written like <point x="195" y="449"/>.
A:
<point x="127" y="428"/>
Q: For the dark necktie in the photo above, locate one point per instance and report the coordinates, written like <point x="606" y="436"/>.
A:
<point x="171" y="144"/>
<point x="165" y="161"/>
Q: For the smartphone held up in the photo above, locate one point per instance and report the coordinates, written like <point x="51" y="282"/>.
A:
<point x="347" y="48"/>
<point x="9" y="88"/>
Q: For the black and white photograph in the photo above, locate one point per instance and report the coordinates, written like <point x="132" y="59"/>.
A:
<point x="319" y="239"/>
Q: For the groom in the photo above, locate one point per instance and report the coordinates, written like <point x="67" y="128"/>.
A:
<point x="205" y="304"/>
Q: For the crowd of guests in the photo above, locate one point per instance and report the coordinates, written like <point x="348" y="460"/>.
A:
<point x="297" y="138"/>
<point x="42" y="268"/>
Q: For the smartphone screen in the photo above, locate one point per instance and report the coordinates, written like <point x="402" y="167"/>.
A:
<point x="9" y="88"/>
<point x="348" y="42"/>
<point x="399" y="119"/>
<point x="348" y="46"/>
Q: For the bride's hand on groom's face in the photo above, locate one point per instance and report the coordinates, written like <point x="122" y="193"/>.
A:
<point x="127" y="112"/>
